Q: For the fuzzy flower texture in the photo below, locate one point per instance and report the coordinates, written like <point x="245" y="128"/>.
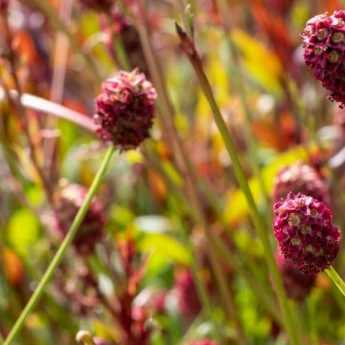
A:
<point x="125" y="109"/>
<point x="324" y="46"/>
<point x="304" y="229"/>
<point x="91" y="230"/>
<point x="300" y="178"/>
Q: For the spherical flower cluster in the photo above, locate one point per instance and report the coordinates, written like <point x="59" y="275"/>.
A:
<point x="324" y="45"/>
<point x="203" y="342"/>
<point x="297" y="284"/>
<point x="305" y="233"/>
<point x="124" y="109"/>
<point x="98" y="5"/>
<point x="300" y="178"/>
<point x="91" y="230"/>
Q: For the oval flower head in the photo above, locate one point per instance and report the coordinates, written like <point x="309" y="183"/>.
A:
<point x="303" y="227"/>
<point x="300" y="178"/>
<point x="125" y="109"/>
<point x="324" y="45"/>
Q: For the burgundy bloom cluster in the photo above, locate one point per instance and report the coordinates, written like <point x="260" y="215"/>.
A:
<point x="324" y="45"/>
<point x="305" y="232"/>
<point x="300" y="178"/>
<point x="187" y="296"/>
<point x="98" y="5"/>
<point x="297" y="284"/>
<point x="91" y="231"/>
<point x="124" y="109"/>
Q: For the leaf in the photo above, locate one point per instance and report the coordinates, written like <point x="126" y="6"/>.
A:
<point x="23" y="231"/>
<point x="236" y="205"/>
<point x="255" y="56"/>
<point x="164" y="250"/>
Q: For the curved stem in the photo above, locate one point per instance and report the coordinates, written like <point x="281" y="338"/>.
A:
<point x="189" y="49"/>
<point x="43" y="105"/>
<point x="336" y="279"/>
<point x="62" y="249"/>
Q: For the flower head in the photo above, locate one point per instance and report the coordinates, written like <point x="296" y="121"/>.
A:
<point x="91" y="230"/>
<point x="98" y="5"/>
<point x="297" y="284"/>
<point x="187" y="296"/>
<point x="124" y="109"/>
<point x="305" y="233"/>
<point x="300" y="178"/>
<point x="324" y="45"/>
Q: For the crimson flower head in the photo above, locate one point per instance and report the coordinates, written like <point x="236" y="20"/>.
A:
<point x="124" y="109"/>
<point x="303" y="227"/>
<point x="203" y="342"/>
<point x="297" y="284"/>
<point x="91" y="229"/>
<point x="98" y="5"/>
<point x="187" y="296"/>
<point x="300" y="178"/>
<point x="324" y="45"/>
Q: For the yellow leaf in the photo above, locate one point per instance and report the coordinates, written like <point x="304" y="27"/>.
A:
<point x="261" y="63"/>
<point x="236" y="204"/>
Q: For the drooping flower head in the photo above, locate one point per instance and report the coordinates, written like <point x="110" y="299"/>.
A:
<point x="305" y="232"/>
<point x="98" y="5"/>
<point x="124" y="109"/>
<point x="300" y="178"/>
<point x="324" y="45"/>
<point x="297" y="284"/>
<point x="91" y="231"/>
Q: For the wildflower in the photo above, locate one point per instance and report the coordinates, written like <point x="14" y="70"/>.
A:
<point x="300" y="178"/>
<point x="297" y="284"/>
<point x="324" y="44"/>
<point x="124" y="109"/>
<point x="187" y="296"/>
<point x="91" y="230"/>
<point x="305" y="233"/>
<point x="98" y="5"/>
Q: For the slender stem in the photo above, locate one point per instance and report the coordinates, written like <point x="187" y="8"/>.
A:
<point x="181" y="157"/>
<point x="62" y="249"/>
<point x="188" y="47"/>
<point x="336" y="278"/>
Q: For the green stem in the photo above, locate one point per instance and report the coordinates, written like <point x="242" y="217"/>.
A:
<point x="260" y="224"/>
<point x="62" y="249"/>
<point x="337" y="280"/>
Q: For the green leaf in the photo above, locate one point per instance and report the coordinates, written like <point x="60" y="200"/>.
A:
<point x="23" y="230"/>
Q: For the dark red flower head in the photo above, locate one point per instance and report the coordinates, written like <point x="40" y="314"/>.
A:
<point x="187" y="294"/>
<point x="305" y="233"/>
<point x="92" y="228"/>
<point x="324" y="45"/>
<point x="297" y="284"/>
<point x="300" y="178"/>
<point x="203" y="342"/>
<point x="98" y="5"/>
<point x="124" y="109"/>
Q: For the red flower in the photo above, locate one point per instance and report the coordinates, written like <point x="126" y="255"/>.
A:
<point x="324" y="45"/>
<point x="124" y="109"/>
<point x="300" y="178"/>
<point x="91" y="230"/>
<point x="306" y="235"/>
